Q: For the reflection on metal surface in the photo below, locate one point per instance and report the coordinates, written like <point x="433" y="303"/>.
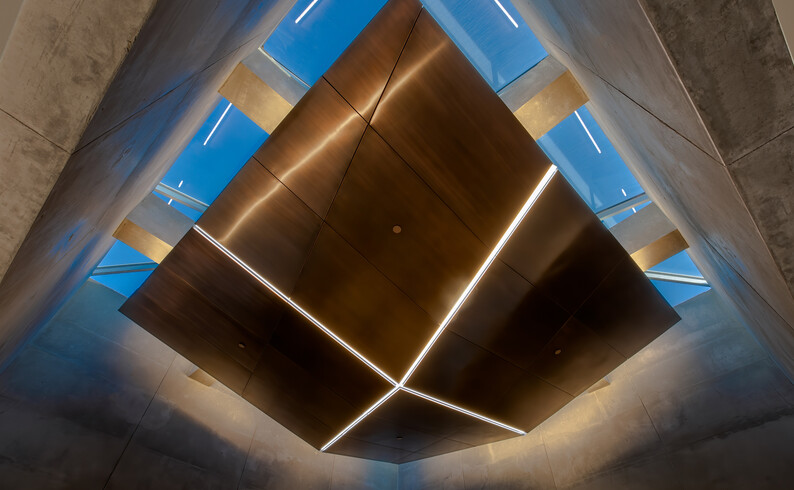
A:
<point x="436" y="246"/>
<point x="255" y="98"/>
<point x="180" y="197"/>
<point x="124" y="268"/>
<point x="660" y="250"/>
<point x="677" y="278"/>
<point x="484" y="267"/>
<point x="294" y="305"/>
<point x="624" y="206"/>
<point x="551" y="105"/>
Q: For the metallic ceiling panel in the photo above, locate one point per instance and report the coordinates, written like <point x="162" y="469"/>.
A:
<point x="226" y="285"/>
<point x="174" y="313"/>
<point x="361" y="72"/>
<point x="433" y="257"/>
<point x="561" y="247"/>
<point x="418" y="422"/>
<point x="256" y="213"/>
<point x="627" y="312"/>
<point x="508" y="316"/>
<point x="315" y="214"/>
<point x="328" y="362"/>
<point x="466" y="375"/>
<point x="297" y="400"/>
<point x="311" y="149"/>
<point x="348" y="295"/>
<point x="445" y="121"/>
<point x="576" y="358"/>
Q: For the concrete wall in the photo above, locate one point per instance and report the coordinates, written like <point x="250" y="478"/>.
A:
<point x="94" y="401"/>
<point x="696" y="97"/>
<point x="703" y="406"/>
<point x="139" y="123"/>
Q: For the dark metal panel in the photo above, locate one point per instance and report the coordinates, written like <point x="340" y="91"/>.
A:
<point x="508" y="316"/>
<point x="174" y="313"/>
<point x="264" y="224"/>
<point x="327" y="361"/>
<point x="464" y="374"/>
<point x="433" y="257"/>
<point x="312" y="147"/>
<point x="439" y="447"/>
<point x="441" y="116"/>
<point x="349" y="296"/>
<point x="361" y="72"/>
<point x="561" y="247"/>
<point x="297" y="400"/>
<point x="576" y="358"/>
<point x="626" y="310"/>
<point x="530" y="401"/>
<point x="225" y="284"/>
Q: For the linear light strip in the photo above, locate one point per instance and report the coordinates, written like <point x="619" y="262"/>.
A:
<point x="360" y="418"/>
<point x="462" y="410"/>
<point x="217" y="123"/>
<point x="587" y="131"/>
<point x="306" y="11"/>
<point x="507" y="14"/>
<point x="488" y="261"/>
<point x="294" y="305"/>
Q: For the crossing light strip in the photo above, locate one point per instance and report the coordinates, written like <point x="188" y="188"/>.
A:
<point x="552" y="170"/>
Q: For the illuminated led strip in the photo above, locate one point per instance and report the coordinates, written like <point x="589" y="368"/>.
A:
<point x="217" y="124"/>
<point x="498" y="248"/>
<point x="361" y="417"/>
<point x="588" y="132"/>
<point x="462" y="410"/>
<point x="294" y="305"/>
<point x="507" y="14"/>
<point x="306" y="11"/>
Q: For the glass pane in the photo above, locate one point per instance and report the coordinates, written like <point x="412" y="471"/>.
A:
<point x="309" y="47"/>
<point x="589" y="162"/>
<point x="125" y="284"/>
<point x="219" y="149"/>
<point x="498" y="43"/>
<point x="679" y="263"/>
<point x="676" y="294"/>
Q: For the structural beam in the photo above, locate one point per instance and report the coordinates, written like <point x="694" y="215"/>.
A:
<point x="153" y="228"/>
<point x="256" y="99"/>
<point x="649" y="237"/>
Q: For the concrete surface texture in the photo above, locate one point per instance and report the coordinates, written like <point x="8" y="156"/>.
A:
<point x="694" y="94"/>
<point x="703" y="406"/>
<point x="94" y="401"/>
<point x="161" y="94"/>
<point x="57" y="63"/>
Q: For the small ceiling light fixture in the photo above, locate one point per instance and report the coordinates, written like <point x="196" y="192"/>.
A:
<point x="217" y="123"/>
<point x="587" y="131"/>
<point x="305" y="11"/>
<point x="507" y="14"/>
<point x="396" y="229"/>
<point x="558" y="352"/>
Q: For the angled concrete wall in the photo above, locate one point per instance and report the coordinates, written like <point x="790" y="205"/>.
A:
<point x="696" y="97"/>
<point x="94" y="401"/>
<point x="159" y="97"/>
<point x="703" y="406"/>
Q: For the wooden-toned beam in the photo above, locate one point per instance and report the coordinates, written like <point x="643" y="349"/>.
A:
<point x="153" y="228"/>
<point x="649" y="237"/>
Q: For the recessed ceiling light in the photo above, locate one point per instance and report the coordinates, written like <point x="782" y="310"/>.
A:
<point x="396" y="229"/>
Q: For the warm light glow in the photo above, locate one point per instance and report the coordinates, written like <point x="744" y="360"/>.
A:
<point x="507" y="14"/>
<point x="360" y="418"/>
<point x="587" y="131"/>
<point x="294" y="305"/>
<point x="462" y="410"/>
<point x="306" y="11"/>
<point x="217" y="123"/>
<point x="483" y="268"/>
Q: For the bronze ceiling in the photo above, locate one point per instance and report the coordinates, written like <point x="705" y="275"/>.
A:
<point x="344" y="252"/>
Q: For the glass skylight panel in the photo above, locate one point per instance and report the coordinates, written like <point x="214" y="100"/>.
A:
<point x="125" y="283"/>
<point x="203" y="170"/>
<point x="676" y="293"/>
<point x="310" y="46"/>
<point x="492" y="34"/>
<point x="590" y="163"/>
